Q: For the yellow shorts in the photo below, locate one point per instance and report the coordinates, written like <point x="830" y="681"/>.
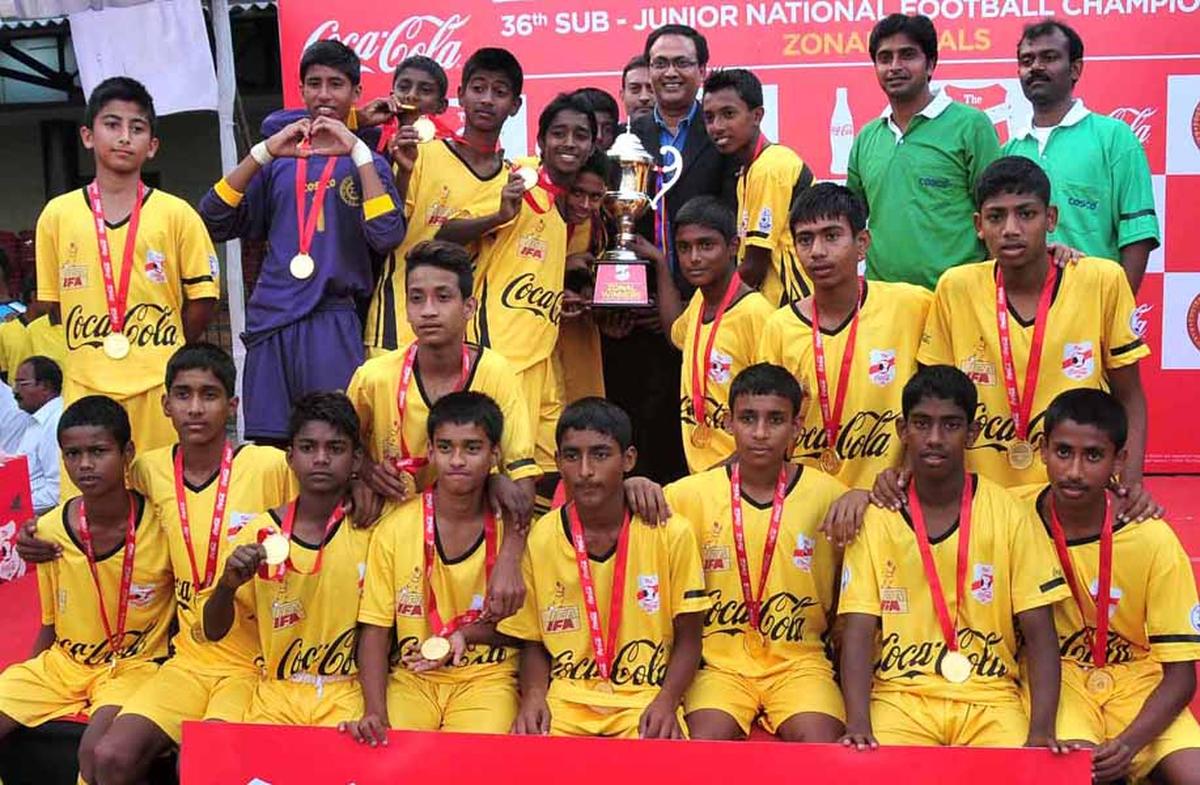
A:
<point x="569" y="718"/>
<point x="1093" y="717"/>
<point x="52" y="685"/>
<point x="299" y="703"/>
<point x="918" y="720"/>
<point x="578" y="361"/>
<point x="808" y="686"/>
<point x="477" y="705"/>
<point x="181" y="691"/>
<point x="543" y="395"/>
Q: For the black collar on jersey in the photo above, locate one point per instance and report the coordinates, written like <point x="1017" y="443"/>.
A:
<point x="138" y="499"/>
<point x="733" y="304"/>
<point x="566" y="527"/>
<point x="124" y="220"/>
<point x="202" y="487"/>
<point x="308" y="545"/>
<point x="469" y="168"/>
<point x="1058" y="282"/>
<point x="468" y="553"/>
<point x="845" y="322"/>
<point x="974" y="480"/>
<point x="470" y="374"/>
<point x="1044" y="501"/>
<point x="758" y="505"/>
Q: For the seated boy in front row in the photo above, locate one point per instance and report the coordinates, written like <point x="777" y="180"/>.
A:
<point x="100" y="636"/>
<point x="614" y="610"/>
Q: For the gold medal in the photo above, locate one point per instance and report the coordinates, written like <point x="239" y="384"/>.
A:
<point x="277" y="547"/>
<point x="426" y="130"/>
<point x="755" y="643"/>
<point x="116" y="346"/>
<point x="302" y="266"/>
<point x="1100" y="681"/>
<point x="1020" y="455"/>
<point x="408" y="484"/>
<point x="435" y="648"/>
<point x="529" y="175"/>
<point x="701" y="436"/>
<point x="955" y="667"/>
<point x="829" y="461"/>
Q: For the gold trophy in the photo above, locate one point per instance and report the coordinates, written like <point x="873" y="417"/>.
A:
<point x="622" y="279"/>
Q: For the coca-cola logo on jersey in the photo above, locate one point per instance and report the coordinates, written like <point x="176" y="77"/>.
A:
<point x="382" y="50"/>
<point x="1138" y="120"/>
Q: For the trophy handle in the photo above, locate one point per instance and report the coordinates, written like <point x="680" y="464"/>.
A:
<point x="670" y="173"/>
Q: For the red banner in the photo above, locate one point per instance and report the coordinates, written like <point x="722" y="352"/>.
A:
<point x="1142" y="66"/>
<point x="274" y="755"/>
<point x="16" y="509"/>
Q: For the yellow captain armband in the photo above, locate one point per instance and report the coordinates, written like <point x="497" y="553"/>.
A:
<point x="377" y="206"/>
<point x="228" y="194"/>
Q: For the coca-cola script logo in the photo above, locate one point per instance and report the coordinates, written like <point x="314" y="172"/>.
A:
<point x="1138" y="120"/>
<point x="382" y="50"/>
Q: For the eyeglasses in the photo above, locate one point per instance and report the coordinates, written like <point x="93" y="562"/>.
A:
<point x="661" y="64"/>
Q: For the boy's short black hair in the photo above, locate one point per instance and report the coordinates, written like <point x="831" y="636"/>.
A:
<point x="333" y="408"/>
<point x="451" y="257"/>
<point x="120" y="88"/>
<point x="97" y="411"/>
<point x="596" y="414"/>
<point x="596" y="163"/>
<point x="45" y="372"/>
<point x="335" y="55"/>
<point x="564" y="102"/>
<point x="709" y="212"/>
<point x="429" y="66"/>
<point x="917" y="27"/>
<point x="941" y="382"/>
<point x="497" y="60"/>
<point x="828" y="201"/>
<point x="1012" y="174"/>
<point x="600" y="101"/>
<point x="1096" y="408"/>
<point x="1047" y="27"/>
<point x="203" y="357"/>
<point x="635" y="62"/>
<point x="766" y="379"/>
<point x="467" y="408"/>
<point x="741" y="80"/>
<point x="700" y="42"/>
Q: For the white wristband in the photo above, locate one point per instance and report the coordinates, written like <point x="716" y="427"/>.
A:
<point x="360" y="154"/>
<point x="261" y="154"/>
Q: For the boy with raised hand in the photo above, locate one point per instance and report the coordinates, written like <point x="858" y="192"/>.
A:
<point x="130" y="270"/>
<point x="1128" y="674"/>
<point x="770" y="574"/>
<point x="427" y="573"/>
<point x="854" y="366"/>
<point x="106" y="603"/>
<point x="717" y="332"/>
<point x="302" y="330"/>
<point x="929" y="595"/>
<point x="770" y="177"/>
<point x="297" y="571"/>
<point x="611" y="623"/>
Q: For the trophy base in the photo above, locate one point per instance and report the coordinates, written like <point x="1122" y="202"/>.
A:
<point x="622" y="281"/>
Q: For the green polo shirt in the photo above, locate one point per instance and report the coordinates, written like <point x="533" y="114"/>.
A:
<point x="1099" y="180"/>
<point x="918" y="189"/>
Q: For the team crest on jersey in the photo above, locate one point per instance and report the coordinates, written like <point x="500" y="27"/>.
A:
<point x="558" y="616"/>
<point x="716" y="557"/>
<point x="647" y="596"/>
<point x="1079" y="360"/>
<point x="1196" y="617"/>
<point x="73" y="276"/>
<point x="720" y="367"/>
<point x="802" y="556"/>
<point x="1114" y="596"/>
<point x="237" y="521"/>
<point x="348" y="191"/>
<point x="156" y="262"/>
<point x="882" y="366"/>
<point x="531" y="245"/>
<point x="410" y="598"/>
<point x="286" y="613"/>
<point x="214" y="266"/>
<point x="765" y="220"/>
<point x="983" y="584"/>
<point x="893" y="600"/>
<point x="978" y="368"/>
<point x="142" y="594"/>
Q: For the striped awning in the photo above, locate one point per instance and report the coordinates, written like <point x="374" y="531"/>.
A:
<point x="16" y="14"/>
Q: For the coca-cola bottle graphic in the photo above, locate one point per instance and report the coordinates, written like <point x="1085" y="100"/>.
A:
<point x="841" y="133"/>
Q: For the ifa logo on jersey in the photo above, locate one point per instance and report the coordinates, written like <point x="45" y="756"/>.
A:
<point x="983" y="583"/>
<point x="882" y="366"/>
<point x="720" y="367"/>
<point x="558" y="615"/>
<point x="893" y="599"/>
<point x="410" y="597"/>
<point x="1114" y="596"/>
<point x="647" y="595"/>
<point x="802" y="556"/>
<point x="1079" y="361"/>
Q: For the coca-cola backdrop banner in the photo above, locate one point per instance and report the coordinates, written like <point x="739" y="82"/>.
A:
<point x="1142" y="66"/>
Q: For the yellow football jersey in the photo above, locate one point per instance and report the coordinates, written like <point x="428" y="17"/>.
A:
<point x="1088" y="331"/>
<point x="440" y="182"/>
<point x="173" y="262"/>
<point x="259" y="480"/>
<point x="14" y="347"/>
<point x="45" y="339"/>
<point x="1011" y="569"/>
<point x="733" y="350"/>
<point x="800" y="586"/>
<point x="306" y="623"/>
<point x="890" y="320"/>
<point x="395" y="592"/>
<point x="662" y="580"/>
<point x="764" y="196"/>
<point x="578" y="355"/>
<point x="373" y="390"/>
<point x="1153" y="610"/>
<point x="68" y="594"/>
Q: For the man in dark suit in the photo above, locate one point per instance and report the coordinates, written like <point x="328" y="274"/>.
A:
<point x="641" y="369"/>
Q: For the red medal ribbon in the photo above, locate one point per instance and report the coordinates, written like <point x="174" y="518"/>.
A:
<point x="289" y="522"/>
<point x="949" y="625"/>
<point x="546" y="184"/>
<point x="1021" y="403"/>
<point x="218" y="516"/>
<point x="700" y="366"/>
<point x="833" y="418"/>
<point x="116" y="294"/>
<point x="754" y="601"/>
<point x="605" y="650"/>
<point x="308" y="225"/>
<point x="115" y="637"/>
<point x="489" y="537"/>
<point x="407" y="462"/>
<point x="1104" y="588"/>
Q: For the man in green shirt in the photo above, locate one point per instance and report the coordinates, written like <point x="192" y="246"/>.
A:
<point x="916" y="165"/>
<point x="1097" y="167"/>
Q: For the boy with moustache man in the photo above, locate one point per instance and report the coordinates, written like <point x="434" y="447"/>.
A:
<point x="612" y="620"/>
<point x="106" y="603"/>
<point x="427" y="573"/>
<point x="297" y="570"/>
<point x="769" y="572"/>
<point x="770" y="177"/>
<point x="945" y="672"/>
<point x="128" y="270"/>
<point x="1128" y="674"/>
